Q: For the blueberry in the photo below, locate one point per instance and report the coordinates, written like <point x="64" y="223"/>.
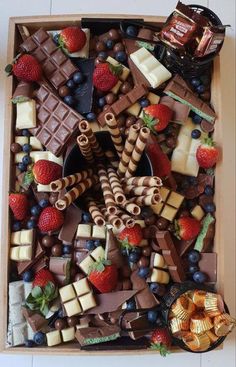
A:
<point x="120" y="56"/>
<point x="86" y="217"/>
<point x="66" y="249"/>
<point x="131" y="305"/>
<point x="196" y="134"/>
<point x="90" y="245"/>
<point x="197" y="119"/>
<point x="193" y="268"/>
<point x="193" y="181"/>
<point x="209" y="190"/>
<point x="194" y="256"/>
<point x="102" y="55"/>
<point x="60" y="313"/>
<point x="39" y="338"/>
<point x="136" y="250"/>
<point x="91" y="116"/>
<point x="31" y="223"/>
<point x="26" y="160"/>
<point x="101" y="102"/>
<point x="16" y="226"/>
<point x="29" y="343"/>
<point x="195" y="82"/>
<point x="199" y="277"/>
<point x="143" y="272"/>
<point x="209" y="207"/>
<point x="25" y="132"/>
<point x="27" y="276"/>
<point x="70" y="84"/>
<point x="26" y="148"/>
<point x="154" y="287"/>
<point x="134" y="257"/>
<point x="69" y="100"/>
<point x="97" y="243"/>
<point x="43" y="203"/>
<point x="56" y="38"/>
<point x="78" y="77"/>
<point x="131" y="31"/>
<point x="201" y="89"/>
<point x="22" y="167"/>
<point x="35" y="210"/>
<point x="144" y="102"/>
<point x="110" y="44"/>
<point x="125" y="251"/>
<point x="152" y="316"/>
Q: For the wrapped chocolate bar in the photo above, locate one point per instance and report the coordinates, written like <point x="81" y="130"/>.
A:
<point x="211" y="41"/>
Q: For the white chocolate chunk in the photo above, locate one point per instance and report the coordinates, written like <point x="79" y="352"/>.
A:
<point x="169" y="212"/>
<point x="43" y="188"/>
<point x="87" y="301"/>
<point x="18" y="157"/>
<point x="175" y="199"/>
<point x="21" y="140"/>
<point x="116" y="87"/>
<point x="15" y="253"/>
<point x="164" y="192"/>
<point x="23" y="237"/>
<point x="67" y="293"/>
<point x="38" y="155"/>
<point x="72" y="307"/>
<point x="99" y="232"/>
<point x="134" y="109"/>
<point x="35" y="143"/>
<point x="68" y="334"/>
<point x="98" y="253"/>
<point x="25" y="253"/>
<point x="84" y="230"/>
<point x="160" y="276"/>
<point x="16" y="238"/>
<point x="153" y="98"/>
<point x="81" y="287"/>
<point x="158" y="261"/>
<point x="53" y="338"/>
<point x="197" y="212"/>
<point x="26" y="114"/>
<point x="157" y="208"/>
<point x="85" y="264"/>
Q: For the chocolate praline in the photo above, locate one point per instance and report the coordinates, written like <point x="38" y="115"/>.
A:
<point x="150" y="220"/>
<point x="15" y="148"/>
<point x="100" y="46"/>
<point x="48" y="241"/>
<point x="56" y="250"/>
<point x="130" y="121"/>
<point x="143" y="262"/>
<point x="162" y="224"/>
<point x="118" y="47"/>
<point x="60" y="324"/>
<point x="64" y="91"/>
<point x="114" y="34"/>
<point x="146" y="251"/>
<point x="125" y="87"/>
<point x="72" y="321"/>
<point x="110" y="98"/>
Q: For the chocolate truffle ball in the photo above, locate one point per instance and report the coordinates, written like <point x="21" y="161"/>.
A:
<point x="56" y="250"/>
<point x="130" y="121"/>
<point x="162" y="224"/>
<point x="48" y="241"/>
<point x="60" y="324"/>
<point x="118" y="47"/>
<point x="73" y="321"/>
<point x="78" y="276"/>
<point x="150" y="220"/>
<point x="15" y="148"/>
<point x="143" y="262"/>
<point x="53" y="197"/>
<point x="146" y="251"/>
<point x="114" y="34"/>
<point x="64" y="91"/>
<point x="100" y="46"/>
<point x="171" y="142"/>
<point x="110" y="98"/>
<point x="125" y="87"/>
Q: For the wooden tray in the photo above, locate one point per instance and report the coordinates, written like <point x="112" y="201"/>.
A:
<point x="14" y="39"/>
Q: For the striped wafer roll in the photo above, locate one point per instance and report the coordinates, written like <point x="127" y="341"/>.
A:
<point x="137" y="151"/>
<point x="74" y="193"/>
<point x="86" y="130"/>
<point x="128" y="221"/>
<point x="128" y="149"/>
<point x="140" y="190"/>
<point x="146" y="200"/>
<point x="116" y="186"/>
<point x="96" y="214"/>
<point x="64" y="182"/>
<point x="85" y="148"/>
<point x="115" y="132"/>
<point x="150" y="181"/>
<point x="131" y="208"/>
<point x="107" y="191"/>
<point x="113" y="219"/>
<point x="112" y="158"/>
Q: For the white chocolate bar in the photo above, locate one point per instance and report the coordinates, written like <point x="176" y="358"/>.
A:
<point x="125" y="71"/>
<point x="171" y="202"/>
<point x="169" y="213"/>
<point x="35" y="143"/>
<point x="21" y="253"/>
<point x="87" y="301"/>
<point x="150" y="67"/>
<point x="68" y="334"/>
<point x="158" y="261"/>
<point x="98" y="253"/>
<point x="197" y="212"/>
<point x="160" y="276"/>
<point x="26" y="114"/>
<point x="175" y="199"/>
<point x="67" y="293"/>
<point x="99" y="232"/>
<point x="81" y="287"/>
<point x="86" y="263"/>
<point x="21" y="140"/>
<point x="72" y="307"/>
<point x="38" y="155"/>
<point x="84" y="230"/>
<point x="53" y="338"/>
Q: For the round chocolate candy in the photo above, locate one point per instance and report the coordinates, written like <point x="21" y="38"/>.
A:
<point x="73" y="321"/>
<point x="146" y="212"/>
<point x="114" y="34"/>
<point x="48" y="241"/>
<point x="118" y="47"/>
<point x="125" y="87"/>
<point x="53" y="198"/>
<point x="143" y="262"/>
<point x="106" y="107"/>
<point x="60" y="324"/>
<point x="162" y="224"/>
<point x="100" y="46"/>
<point x="56" y="250"/>
<point x="121" y="120"/>
<point x="125" y="271"/>
<point x="130" y="121"/>
<point x="78" y="276"/>
<point x="110" y="98"/>
<point x="64" y="91"/>
<point x="146" y="251"/>
<point x="171" y="142"/>
<point x="140" y="123"/>
<point x="150" y="220"/>
<point x="127" y="284"/>
<point x="15" y="148"/>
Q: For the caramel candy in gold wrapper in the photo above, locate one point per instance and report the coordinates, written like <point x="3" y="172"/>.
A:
<point x="223" y="324"/>
<point x="197" y="342"/>
<point x="199" y="298"/>
<point x="178" y="325"/>
<point x="213" y="304"/>
<point x="200" y="323"/>
<point x="183" y="308"/>
<point x="212" y="336"/>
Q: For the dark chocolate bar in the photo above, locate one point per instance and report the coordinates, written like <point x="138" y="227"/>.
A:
<point x="141" y="324"/>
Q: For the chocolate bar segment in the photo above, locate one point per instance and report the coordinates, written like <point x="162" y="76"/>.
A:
<point x="93" y="335"/>
<point x="22" y="266"/>
<point x="72" y="219"/>
<point x="23" y="92"/>
<point x="56" y="66"/>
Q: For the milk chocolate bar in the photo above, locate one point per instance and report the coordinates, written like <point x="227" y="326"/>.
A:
<point x="60" y="267"/>
<point x="208" y="265"/>
<point x="180" y="110"/>
<point x="141" y="324"/>
<point x="93" y="335"/>
<point x="57" y="122"/>
<point x="72" y="218"/>
<point x="56" y="66"/>
<point x="34" y="319"/>
<point x="206" y="235"/>
<point x="23" y="92"/>
<point x="112" y="250"/>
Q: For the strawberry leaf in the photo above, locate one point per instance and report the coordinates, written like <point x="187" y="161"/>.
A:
<point x="99" y="265"/>
<point x="116" y="69"/>
<point x="37" y="292"/>
<point x="161" y="348"/>
<point x="150" y="122"/>
<point x="28" y="179"/>
<point x="8" y="69"/>
<point x="49" y="290"/>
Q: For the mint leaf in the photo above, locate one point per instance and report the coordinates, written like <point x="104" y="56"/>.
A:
<point x="37" y="292"/>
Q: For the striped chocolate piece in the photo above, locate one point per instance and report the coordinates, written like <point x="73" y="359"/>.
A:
<point x="86" y="130"/>
<point x="140" y="190"/>
<point x="115" y="132"/>
<point x="146" y="200"/>
<point x="64" y="182"/>
<point x="128" y="221"/>
<point x="116" y="186"/>
<point x="107" y="191"/>
<point x="85" y="148"/>
<point x="96" y="213"/>
<point x="113" y="219"/>
<point x="150" y="181"/>
<point x="131" y="208"/>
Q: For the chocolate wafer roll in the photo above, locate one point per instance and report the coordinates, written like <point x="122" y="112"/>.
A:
<point x="131" y="208"/>
<point x="85" y="148"/>
<point x="150" y="181"/>
<point x="112" y="158"/>
<point x="96" y="213"/>
<point x="137" y="151"/>
<point x="128" y="149"/>
<point x="128" y="221"/>
<point x="64" y="182"/>
<point x="74" y="193"/>
<point x="86" y="130"/>
<point x="107" y="191"/>
<point x="113" y="219"/>
<point x="146" y="200"/>
<point x="115" y="132"/>
<point x="140" y="190"/>
<point x="116" y="186"/>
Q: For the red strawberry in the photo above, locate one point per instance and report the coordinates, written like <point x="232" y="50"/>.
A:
<point x="105" y="76"/>
<point x="25" y="67"/>
<point x="42" y="278"/>
<point x="160" y="162"/>
<point x="187" y="228"/>
<point x="161" y="341"/>
<point x="45" y="171"/>
<point x="103" y="275"/>
<point x="207" y="154"/>
<point x="157" y="116"/>
<point x="19" y="205"/>
<point x="50" y="219"/>
<point x="131" y="236"/>
<point x="72" y="39"/>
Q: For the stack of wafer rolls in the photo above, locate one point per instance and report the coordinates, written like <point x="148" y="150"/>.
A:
<point x="128" y="221"/>
<point x="115" y="132"/>
<point x="85" y="148"/>
<point x="70" y="180"/>
<point x="149" y="181"/>
<point x="146" y="200"/>
<point x="116" y="186"/>
<point x="107" y="191"/>
<point x="86" y="130"/>
<point x="113" y="219"/>
<point x="132" y="208"/>
<point x="95" y="212"/>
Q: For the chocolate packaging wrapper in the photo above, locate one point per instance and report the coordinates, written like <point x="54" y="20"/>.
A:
<point x="211" y="41"/>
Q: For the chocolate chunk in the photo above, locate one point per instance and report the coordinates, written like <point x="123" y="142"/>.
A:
<point x="146" y="299"/>
<point x="137" y="282"/>
<point x="183" y="246"/>
<point x="22" y="266"/>
<point x="71" y="220"/>
<point x="140" y="326"/>
<point x="36" y="321"/>
<point x="93" y="335"/>
<point x="112" y="250"/>
<point x="208" y="265"/>
<point x="23" y="92"/>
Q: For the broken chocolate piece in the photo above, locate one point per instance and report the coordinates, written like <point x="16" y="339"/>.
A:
<point x="208" y="265"/>
<point x="94" y="335"/>
<point x="22" y="266"/>
<point x="72" y="219"/>
<point x="112" y="250"/>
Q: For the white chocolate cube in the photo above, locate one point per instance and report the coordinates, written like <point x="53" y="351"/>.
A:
<point x="67" y="293"/>
<point x="72" y="307"/>
<point x="35" y="143"/>
<point x="197" y="212"/>
<point x="157" y="208"/>
<point x="21" y="140"/>
<point x="158" y="261"/>
<point x="68" y="334"/>
<point x="134" y="109"/>
<point x="81" y="287"/>
<point x="153" y="98"/>
<point x="27" y="236"/>
<point x="53" y="338"/>
<point x="86" y="263"/>
<point x="84" y="230"/>
<point x="98" y="253"/>
<point x="175" y="199"/>
<point x="18" y="157"/>
<point x="164" y="192"/>
<point x="26" y="115"/>
<point x="99" y="232"/>
<point x="25" y="253"/>
<point x="169" y="212"/>
<point x="16" y="238"/>
<point x="87" y="301"/>
<point x="15" y="253"/>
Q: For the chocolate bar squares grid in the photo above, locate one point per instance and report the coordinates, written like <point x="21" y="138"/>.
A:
<point x="56" y="66"/>
<point x="57" y="121"/>
<point x="170" y="204"/>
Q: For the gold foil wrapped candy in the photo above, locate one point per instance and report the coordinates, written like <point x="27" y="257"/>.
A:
<point x="199" y="298"/>
<point x="178" y="325"/>
<point x="200" y="323"/>
<point x="212" y="304"/>
<point x="197" y="343"/>
<point x="183" y="308"/>
<point x="223" y="324"/>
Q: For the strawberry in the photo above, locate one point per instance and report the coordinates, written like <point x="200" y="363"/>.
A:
<point x="131" y="237"/>
<point x="207" y="154"/>
<point x="25" y="67"/>
<point x="103" y="275"/>
<point x="50" y="219"/>
<point x="45" y="171"/>
<point x="72" y="39"/>
<point x="43" y="292"/>
<point x="19" y="205"/>
<point x="160" y="162"/>
<point x="105" y="76"/>
<point x="157" y="116"/>
<point x="161" y="341"/>
<point x="187" y="228"/>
